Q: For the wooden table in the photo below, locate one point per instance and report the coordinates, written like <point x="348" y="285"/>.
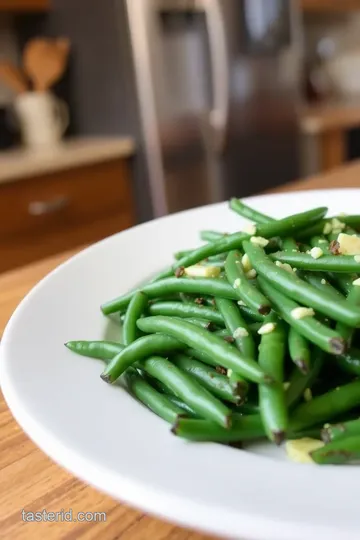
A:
<point x="31" y="481"/>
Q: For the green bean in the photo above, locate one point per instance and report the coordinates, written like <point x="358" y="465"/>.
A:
<point x="255" y="327"/>
<point x="300" y="382"/>
<point x="213" y="260"/>
<point x="349" y="361"/>
<point x="247" y="408"/>
<point x="138" y="350"/>
<point x="338" y="452"/>
<point x="333" y="237"/>
<point x="183" y="406"/>
<point x="243" y="428"/>
<point x="350" y="220"/>
<point x="353" y="299"/>
<point x="313" y="433"/>
<point x="246" y="291"/>
<point x="233" y="321"/>
<point x="320" y="282"/>
<point x="178" y="309"/>
<point x="299" y="350"/>
<point x="350" y="230"/>
<point x="105" y="351"/>
<point x="343" y="430"/>
<point x="299" y="290"/>
<point x="250" y="314"/>
<point x="136" y="308"/>
<point x="208" y="377"/>
<point x="184" y="253"/>
<point x="185" y="298"/>
<point x="275" y="244"/>
<point x="236" y="381"/>
<point x="203" y="357"/>
<point x="304" y="248"/>
<point x="198" y="338"/>
<point x="289" y="244"/>
<point x="313" y="230"/>
<point x="150" y="397"/>
<point x="218" y="264"/>
<point x="208" y="325"/>
<point x="155" y="383"/>
<point x="327" y="406"/>
<point x="249" y="213"/>
<point x="282" y="227"/>
<point x="224" y="333"/>
<point x="309" y="327"/>
<point x="188" y="390"/>
<point x="343" y="281"/>
<point x="318" y="228"/>
<point x="176" y="297"/>
<point x="208" y="286"/>
<point x="273" y="409"/>
<point x="210" y="236"/>
<point x="320" y="242"/>
<point x="102" y="350"/>
<point x="325" y="263"/>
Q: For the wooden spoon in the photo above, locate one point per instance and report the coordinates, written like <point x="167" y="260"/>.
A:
<point x="45" y="61"/>
<point x="13" y="77"/>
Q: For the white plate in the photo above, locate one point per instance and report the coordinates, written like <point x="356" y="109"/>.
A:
<point x="106" y="438"/>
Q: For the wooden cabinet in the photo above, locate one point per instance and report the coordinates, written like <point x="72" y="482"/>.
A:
<point x="330" y="5"/>
<point x="48" y="214"/>
<point x="24" y="5"/>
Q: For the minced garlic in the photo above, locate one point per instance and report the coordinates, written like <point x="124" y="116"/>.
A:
<point x="245" y="261"/>
<point x="300" y="449"/>
<point x="316" y="252"/>
<point x="301" y="312"/>
<point x="240" y="332"/>
<point x="267" y="328"/>
<point x="259" y="241"/>
<point x="250" y="229"/>
<point x="203" y="271"/>
<point x="348" y="244"/>
<point x="251" y="274"/>
<point x="284" y="266"/>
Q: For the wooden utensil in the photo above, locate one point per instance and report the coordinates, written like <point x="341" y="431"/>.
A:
<point x="45" y="61"/>
<point x="13" y="77"/>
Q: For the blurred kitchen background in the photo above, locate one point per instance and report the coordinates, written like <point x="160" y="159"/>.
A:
<point x="113" y="112"/>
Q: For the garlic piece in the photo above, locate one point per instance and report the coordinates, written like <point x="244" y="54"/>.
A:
<point x="301" y="312"/>
<point x="240" y="332"/>
<point x="267" y="328"/>
<point x="300" y="449"/>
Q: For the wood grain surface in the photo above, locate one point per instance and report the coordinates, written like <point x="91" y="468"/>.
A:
<point x="31" y="481"/>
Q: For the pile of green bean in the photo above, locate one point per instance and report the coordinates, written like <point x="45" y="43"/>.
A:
<point x="248" y="336"/>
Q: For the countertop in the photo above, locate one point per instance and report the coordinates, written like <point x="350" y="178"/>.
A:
<point x="21" y="163"/>
<point x="29" y="480"/>
<point x="315" y="119"/>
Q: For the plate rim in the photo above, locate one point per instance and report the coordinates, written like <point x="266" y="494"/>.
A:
<point x="65" y="457"/>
